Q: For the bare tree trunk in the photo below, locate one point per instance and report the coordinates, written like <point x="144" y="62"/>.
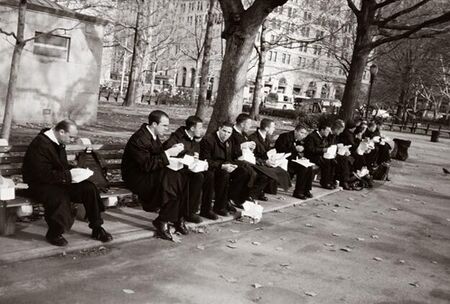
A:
<point x="152" y="80"/>
<point x="259" y="83"/>
<point x="233" y="77"/>
<point x="353" y="84"/>
<point x="195" y="81"/>
<point x="204" y="79"/>
<point x="137" y="60"/>
<point x="14" y="71"/>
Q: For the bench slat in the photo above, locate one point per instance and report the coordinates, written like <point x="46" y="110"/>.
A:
<point x="10" y="159"/>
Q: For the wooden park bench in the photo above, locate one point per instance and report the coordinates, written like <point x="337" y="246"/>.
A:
<point x="11" y="158"/>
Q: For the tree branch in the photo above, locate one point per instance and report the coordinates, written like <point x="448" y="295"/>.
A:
<point x="408" y="10"/>
<point x="8" y="33"/>
<point x="385" y="3"/>
<point x="353" y="7"/>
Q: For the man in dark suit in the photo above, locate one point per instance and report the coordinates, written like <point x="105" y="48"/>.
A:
<point x="145" y="172"/>
<point x="293" y="142"/>
<point x="239" y="140"/>
<point x="264" y="165"/>
<point x="49" y="177"/>
<point x="316" y="144"/>
<point x="223" y="173"/>
<point x="344" y="161"/>
<point x="190" y="136"/>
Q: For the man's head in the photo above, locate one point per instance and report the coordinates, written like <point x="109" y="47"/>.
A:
<point x="372" y="126"/>
<point x="379" y="123"/>
<point x="159" y="122"/>
<point x="351" y="125"/>
<point x="300" y="132"/>
<point x="244" y="122"/>
<point x="66" y="131"/>
<point x="267" y="125"/>
<point x="225" y="130"/>
<point x="324" y="128"/>
<point x="338" y="126"/>
<point x="194" y="125"/>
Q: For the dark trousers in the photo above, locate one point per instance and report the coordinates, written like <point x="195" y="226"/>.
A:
<point x="343" y="168"/>
<point x="195" y="187"/>
<point x="261" y="182"/>
<point x="218" y="184"/>
<point x="304" y="177"/>
<point x="384" y="154"/>
<point x="173" y="196"/>
<point x="327" y="170"/>
<point x="57" y="201"/>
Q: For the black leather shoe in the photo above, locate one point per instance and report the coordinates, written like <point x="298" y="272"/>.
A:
<point x="263" y="198"/>
<point x="299" y="196"/>
<point x="328" y="186"/>
<point x="193" y="218"/>
<point x="209" y="215"/>
<point x="57" y="240"/>
<point x="231" y="208"/>
<point x="222" y="212"/>
<point x="180" y="227"/>
<point x="308" y="194"/>
<point x="346" y="186"/>
<point x="162" y="230"/>
<point x="101" y="235"/>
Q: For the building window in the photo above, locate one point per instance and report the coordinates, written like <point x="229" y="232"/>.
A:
<point x="192" y="77"/>
<point x="283" y="58"/>
<point x="270" y="55"/>
<point x="184" y="76"/>
<point x="288" y="59"/>
<point x="275" y="56"/>
<point x="51" y="46"/>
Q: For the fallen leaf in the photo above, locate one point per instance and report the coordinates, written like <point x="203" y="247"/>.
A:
<point x="256" y="243"/>
<point x="278" y="249"/>
<point x="318" y="215"/>
<point x="351" y="199"/>
<point x="309" y="225"/>
<point x="414" y="284"/>
<point x="256" y="285"/>
<point x="361" y="239"/>
<point x="374" y="236"/>
<point x="176" y="238"/>
<point x="259" y="228"/>
<point x="310" y="293"/>
<point x="285" y="264"/>
<point x="434" y="262"/>
<point x="393" y="209"/>
<point x="234" y="231"/>
<point x="231" y="246"/>
<point x="334" y="210"/>
<point x="229" y="279"/>
<point x="128" y="291"/>
<point x="346" y="249"/>
<point x="347" y="207"/>
<point x="335" y="234"/>
<point x="329" y="244"/>
<point x="401" y="261"/>
<point x="407" y="200"/>
<point x="378" y="259"/>
<point x="282" y="238"/>
<point x="200" y="247"/>
<point x="337" y="205"/>
<point x="232" y="241"/>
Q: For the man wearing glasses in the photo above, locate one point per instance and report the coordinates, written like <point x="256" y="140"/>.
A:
<point x="49" y="178"/>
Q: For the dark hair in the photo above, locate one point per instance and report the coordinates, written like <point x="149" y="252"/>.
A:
<point x="242" y="117"/>
<point x="338" y="123"/>
<point x="65" y="125"/>
<point x="226" y="124"/>
<point x="192" y="121"/>
<point x="323" y="125"/>
<point x="265" y="123"/>
<point x="359" y="129"/>
<point x="155" y="116"/>
<point x="299" y="127"/>
<point x="371" y="124"/>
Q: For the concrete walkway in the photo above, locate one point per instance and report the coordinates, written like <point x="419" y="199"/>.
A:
<point x="125" y="224"/>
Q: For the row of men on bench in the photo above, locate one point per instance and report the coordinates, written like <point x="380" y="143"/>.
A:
<point x="180" y="195"/>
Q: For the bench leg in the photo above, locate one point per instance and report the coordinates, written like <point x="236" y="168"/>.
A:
<point x="8" y="217"/>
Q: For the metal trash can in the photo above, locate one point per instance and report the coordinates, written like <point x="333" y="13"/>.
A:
<point x="435" y="136"/>
<point x="400" y="150"/>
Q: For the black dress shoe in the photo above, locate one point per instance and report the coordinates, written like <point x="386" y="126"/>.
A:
<point x="263" y="198"/>
<point x="231" y="208"/>
<point x="57" y="240"/>
<point x="308" y="194"/>
<point x="299" y="196"/>
<point x="209" y="215"/>
<point x="328" y="186"/>
<point x="346" y="186"/>
<point x="180" y="227"/>
<point x="162" y="230"/>
<point x="101" y="235"/>
<point x="194" y="218"/>
<point x="222" y="212"/>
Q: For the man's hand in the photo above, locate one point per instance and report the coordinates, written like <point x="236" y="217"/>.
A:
<point x="229" y="167"/>
<point x="271" y="163"/>
<point x="175" y="150"/>
<point x="299" y="148"/>
<point x="248" y="145"/>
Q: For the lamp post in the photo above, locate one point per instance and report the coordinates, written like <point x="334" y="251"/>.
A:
<point x="373" y="74"/>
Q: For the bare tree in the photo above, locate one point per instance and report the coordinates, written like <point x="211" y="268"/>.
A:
<point x="241" y="27"/>
<point x="382" y="22"/>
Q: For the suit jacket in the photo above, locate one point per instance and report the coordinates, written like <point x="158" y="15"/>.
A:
<point x="286" y="143"/>
<point x="191" y="145"/>
<point x="214" y="151"/>
<point x="143" y="161"/>
<point x="236" y="139"/>
<point x="262" y="146"/>
<point x="348" y="138"/>
<point x="45" y="162"/>
<point x="315" y="145"/>
<point x="370" y="134"/>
